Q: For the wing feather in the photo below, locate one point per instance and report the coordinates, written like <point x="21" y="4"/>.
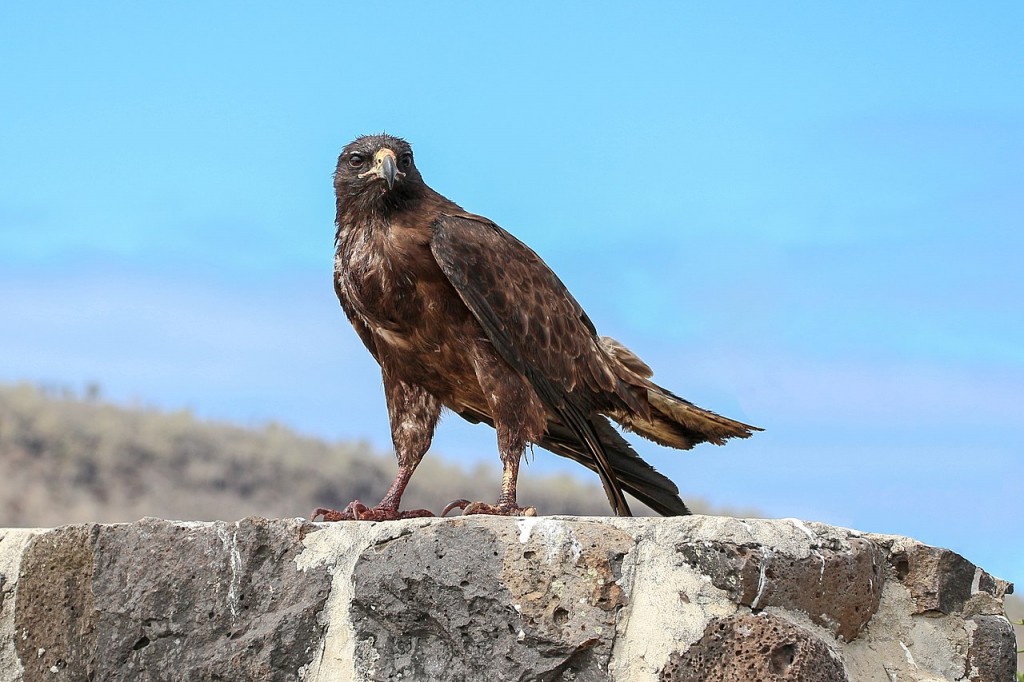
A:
<point x="526" y="309"/>
<point x="365" y="335"/>
<point x="534" y="323"/>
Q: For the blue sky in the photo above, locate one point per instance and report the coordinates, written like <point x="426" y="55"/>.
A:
<point x="807" y="216"/>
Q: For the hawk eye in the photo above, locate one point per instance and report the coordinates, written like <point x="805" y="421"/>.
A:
<point x="355" y="160"/>
<point x="405" y="160"/>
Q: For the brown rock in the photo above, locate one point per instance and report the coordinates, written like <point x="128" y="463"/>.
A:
<point x="993" y="586"/>
<point x="567" y="585"/>
<point x="938" y="579"/>
<point x="992" y="656"/>
<point x="839" y="589"/>
<point x="755" y="647"/>
<point x="55" y="615"/>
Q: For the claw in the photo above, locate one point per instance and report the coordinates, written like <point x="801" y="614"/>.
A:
<point x="328" y="514"/>
<point x="469" y="508"/>
<point x="349" y="513"/>
<point x="357" y="511"/>
<point x="460" y="504"/>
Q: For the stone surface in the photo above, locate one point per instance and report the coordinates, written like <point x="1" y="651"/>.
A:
<point x="993" y="648"/>
<point x="759" y="577"/>
<point x="54" y="610"/>
<point x="938" y="579"/>
<point x="447" y="603"/>
<point x="478" y="598"/>
<point x="748" y="647"/>
<point x="120" y="602"/>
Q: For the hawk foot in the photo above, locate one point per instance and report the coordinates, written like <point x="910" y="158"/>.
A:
<point x="469" y="508"/>
<point x="357" y="511"/>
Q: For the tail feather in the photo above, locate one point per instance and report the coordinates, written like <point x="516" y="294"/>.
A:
<point x="632" y="474"/>
<point x="671" y="420"/>
<point x="692" y="423"/>
<point x="636" y="476"/>
<point x="678" y="423"/>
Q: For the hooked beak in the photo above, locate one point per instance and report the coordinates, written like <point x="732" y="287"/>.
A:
<point x="385" y="166"/>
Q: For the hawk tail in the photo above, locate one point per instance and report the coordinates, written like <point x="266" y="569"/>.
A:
<point x="667" y="419"/>
<point x="678" y="423"/>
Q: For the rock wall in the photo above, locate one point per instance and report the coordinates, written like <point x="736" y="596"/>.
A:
<point x="477" y="598"/>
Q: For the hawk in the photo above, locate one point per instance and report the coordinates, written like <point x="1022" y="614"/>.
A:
<point x="462" y="315"/>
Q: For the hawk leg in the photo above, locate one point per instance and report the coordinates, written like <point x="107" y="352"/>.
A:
<point x="519" y="418"/>
<point x="413" y="414"/>
<point x="506" y="505"/>
<point x="387" y="510"/>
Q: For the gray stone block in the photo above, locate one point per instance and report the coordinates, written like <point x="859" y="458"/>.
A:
<point x="484" y="598"/>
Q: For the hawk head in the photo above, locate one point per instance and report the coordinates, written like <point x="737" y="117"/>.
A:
<point x="376" y="170"/>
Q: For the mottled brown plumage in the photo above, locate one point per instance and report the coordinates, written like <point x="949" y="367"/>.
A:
<point x="461" y="314"/>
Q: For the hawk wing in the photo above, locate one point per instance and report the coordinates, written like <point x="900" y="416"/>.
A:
<point x="530" y="316"/>
<point x="535" y="325"/>
<point x="365" y="335"/>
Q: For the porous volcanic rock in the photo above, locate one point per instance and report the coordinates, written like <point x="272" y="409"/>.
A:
<point x="488" y="598"/>
<point x="748" y="647"/>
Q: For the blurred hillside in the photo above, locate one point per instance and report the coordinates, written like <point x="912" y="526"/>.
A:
<point x="70" y="458"/>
